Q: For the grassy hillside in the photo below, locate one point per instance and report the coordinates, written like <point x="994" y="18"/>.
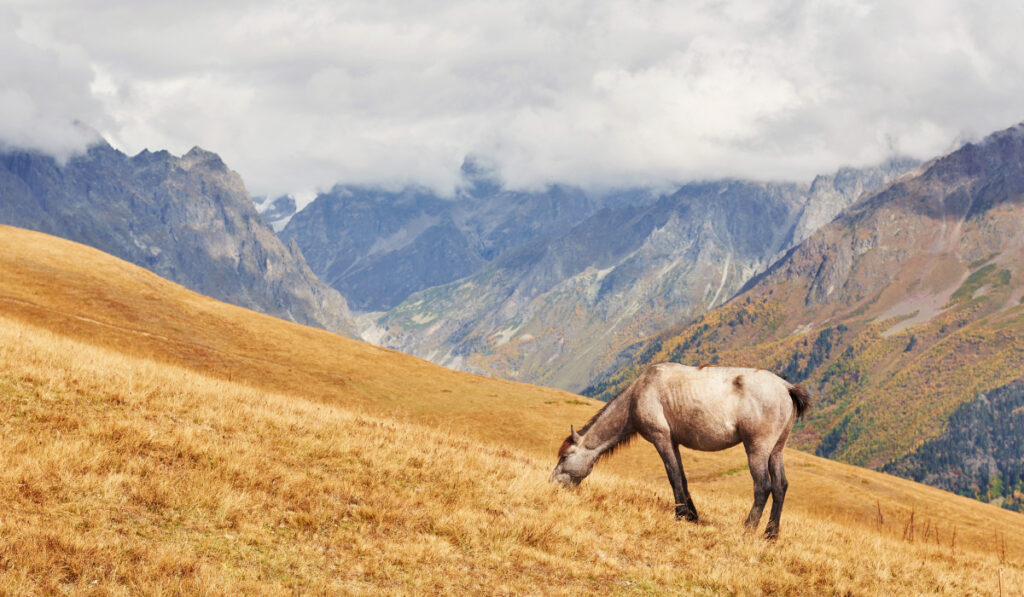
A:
<point x="157" y="441"/>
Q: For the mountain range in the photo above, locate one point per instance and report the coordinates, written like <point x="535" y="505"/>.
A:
<point x="550" y="287"/>
<point x="189" y="219"/>
<point x="378" y="247"/>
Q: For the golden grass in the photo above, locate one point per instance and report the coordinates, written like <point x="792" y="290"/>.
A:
<point x="124" y="475"/>
<point x="83" y="293"/>
<point x="157" y="441"/>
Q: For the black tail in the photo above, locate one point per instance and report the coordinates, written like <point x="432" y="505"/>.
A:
<point x="801" y="399"/>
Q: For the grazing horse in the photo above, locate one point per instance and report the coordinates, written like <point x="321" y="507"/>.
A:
<point x="705" y="408"/>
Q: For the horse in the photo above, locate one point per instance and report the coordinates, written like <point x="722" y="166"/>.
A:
<point x="707" y="408"/>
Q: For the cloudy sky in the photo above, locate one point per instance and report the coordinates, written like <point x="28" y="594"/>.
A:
<point x="300" y="95"/>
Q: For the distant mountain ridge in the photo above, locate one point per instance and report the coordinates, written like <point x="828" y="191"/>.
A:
<point x="377" y="247"/>
<point x="559" y="308"/>
<point x="189" y="219"/>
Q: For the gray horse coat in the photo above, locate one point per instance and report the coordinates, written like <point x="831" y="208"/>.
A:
<point x="702" y="408"/>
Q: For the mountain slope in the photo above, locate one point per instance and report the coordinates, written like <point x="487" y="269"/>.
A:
<point x="899" y="311"/>
<point x="189" y="219"/>
<point x="981" y="451"/>
<point x="378" y="247"/>
<point x="195" y="447"/>
<point x="560" y="310"/>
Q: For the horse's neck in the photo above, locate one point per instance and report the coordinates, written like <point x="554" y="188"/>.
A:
<point x="610" y="427"/>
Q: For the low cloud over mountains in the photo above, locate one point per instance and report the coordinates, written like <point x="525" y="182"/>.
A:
<point x="303" y="96"/>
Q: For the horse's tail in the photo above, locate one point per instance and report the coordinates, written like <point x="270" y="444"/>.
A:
<point x="801" y="399"/>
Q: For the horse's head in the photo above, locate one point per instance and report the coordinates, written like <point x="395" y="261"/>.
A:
<point x="575" y="461"/>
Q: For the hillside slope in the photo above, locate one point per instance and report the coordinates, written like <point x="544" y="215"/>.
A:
<point x="897" y="313"/>
<point x="193" y="446"/>
<point x="189" y="219"/>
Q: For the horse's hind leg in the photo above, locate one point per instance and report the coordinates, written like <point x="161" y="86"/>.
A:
<point x="757" y="459"/>
<point x="779" y="486"/>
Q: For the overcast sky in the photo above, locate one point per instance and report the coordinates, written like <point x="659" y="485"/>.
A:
<point x="300" y="95"/>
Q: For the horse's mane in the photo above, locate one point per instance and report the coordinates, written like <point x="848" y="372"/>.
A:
<point x="593" y="419"/>
<point x="583" y="430"/>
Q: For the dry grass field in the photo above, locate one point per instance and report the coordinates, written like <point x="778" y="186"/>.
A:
<point x="155" y="441"/>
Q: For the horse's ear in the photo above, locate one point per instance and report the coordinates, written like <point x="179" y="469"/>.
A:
<point x="575" y="436"/>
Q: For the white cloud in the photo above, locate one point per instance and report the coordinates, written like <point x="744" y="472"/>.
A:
<point x="607" y="92"/>
<point x="44" y="97"/>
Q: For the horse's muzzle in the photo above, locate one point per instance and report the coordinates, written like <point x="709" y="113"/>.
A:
<point x="564" y="479"/>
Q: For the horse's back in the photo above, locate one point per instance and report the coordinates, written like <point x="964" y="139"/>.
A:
<point x="713" y="382"/>
<point x="712" y="407"/>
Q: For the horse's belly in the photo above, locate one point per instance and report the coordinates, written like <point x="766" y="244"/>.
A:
<point x="708" y="443"/>
<point x="709" y="437"/>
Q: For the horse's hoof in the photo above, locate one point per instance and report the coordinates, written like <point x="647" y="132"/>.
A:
<point x="687" y="516"/>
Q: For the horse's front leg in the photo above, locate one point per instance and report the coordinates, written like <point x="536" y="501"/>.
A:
<point x="669" y="452"/>
<point x="686" y="488"/>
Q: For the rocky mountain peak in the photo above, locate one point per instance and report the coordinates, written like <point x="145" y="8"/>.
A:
<point x="146" y="157"/>
<point x="560" y="308"/>
<point x="199" y="156"/>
